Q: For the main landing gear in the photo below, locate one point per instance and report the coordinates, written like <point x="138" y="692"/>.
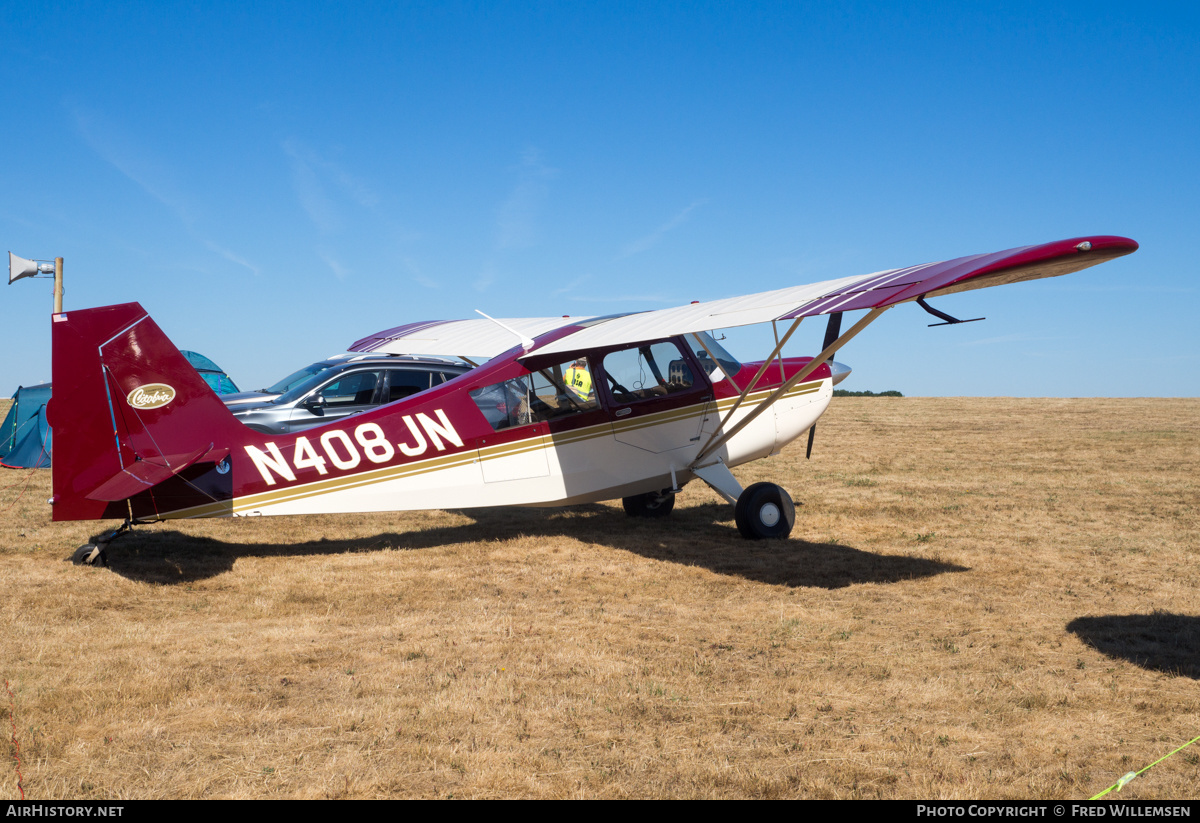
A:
<point x="765" y="511"/>
<point x="652" y="504"/>
<point x="762" y="512"/>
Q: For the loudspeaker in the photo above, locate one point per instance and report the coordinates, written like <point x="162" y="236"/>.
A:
<point x="19" y="267"/>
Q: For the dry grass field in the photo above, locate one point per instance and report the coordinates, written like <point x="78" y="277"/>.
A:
<point x="982" y="598"/>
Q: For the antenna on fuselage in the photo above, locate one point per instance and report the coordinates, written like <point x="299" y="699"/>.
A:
<point x="526" y="342"/>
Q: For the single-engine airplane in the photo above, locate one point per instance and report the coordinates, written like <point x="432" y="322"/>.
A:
<point x="563" y="411"/>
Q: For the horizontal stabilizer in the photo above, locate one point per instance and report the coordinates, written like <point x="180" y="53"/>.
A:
<point x="144" y="474"/>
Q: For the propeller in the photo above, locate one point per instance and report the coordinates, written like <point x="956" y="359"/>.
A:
<point x="832" y="331"/>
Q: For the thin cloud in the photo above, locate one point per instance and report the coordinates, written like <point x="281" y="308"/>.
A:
<point x="485" y="279"/>
<point x="574" y="284"/>
<point x="340" y="271"/>
<point x="653" y="237"/>
<point x="153" y="175"/>
<point x="321" y="185"/>
<point x="309" y="191"/>
<point x="419" y="277"/>
<point x="233" y="258"/>
<point x="123" y="153"/>
<point x="517" y="219"/>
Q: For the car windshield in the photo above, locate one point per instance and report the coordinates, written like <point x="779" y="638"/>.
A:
<point x="295" y="377"/>
<point x="302" y="388"/>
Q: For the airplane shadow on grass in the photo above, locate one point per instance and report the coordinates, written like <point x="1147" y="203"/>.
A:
<point x="1160" y="641"/>
<point x="701" y="536"/>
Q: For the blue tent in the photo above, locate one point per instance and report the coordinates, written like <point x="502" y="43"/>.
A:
<point x="217" y="379"/>
<point x="25" y="439"/>
<point x="25" y="436"/>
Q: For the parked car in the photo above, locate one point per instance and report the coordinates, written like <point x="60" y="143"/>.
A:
<point x="260" y="396"/>
<point x="338" y="387"/>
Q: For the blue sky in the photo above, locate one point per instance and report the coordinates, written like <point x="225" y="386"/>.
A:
<point x="274" y="181"/>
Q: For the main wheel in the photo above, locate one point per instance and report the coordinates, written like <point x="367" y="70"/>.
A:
<point x="765" y="511"/>
<point x="651" y="504"/>
<point x="90" y="554"/>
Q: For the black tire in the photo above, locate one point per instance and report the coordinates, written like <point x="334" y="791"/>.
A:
<point x="651" y="504"/>
<point x="90" y="554"/>
<point x="765" y="512"/>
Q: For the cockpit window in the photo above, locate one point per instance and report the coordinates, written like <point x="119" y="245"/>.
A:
<point x="647" y="371"/>
<point x="558" y="391"/>
<point x="728" y="364"/>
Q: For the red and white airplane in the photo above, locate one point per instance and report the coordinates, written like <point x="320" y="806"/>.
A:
<point x="563" y="411"/>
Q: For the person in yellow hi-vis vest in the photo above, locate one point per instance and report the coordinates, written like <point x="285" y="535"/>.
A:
<point x="579" y="379"/>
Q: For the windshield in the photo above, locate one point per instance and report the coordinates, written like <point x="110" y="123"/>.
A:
<point x="728" y="363"/>
<point x="296" y="376"/>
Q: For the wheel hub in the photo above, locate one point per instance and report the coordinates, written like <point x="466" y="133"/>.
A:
<point x="769" y="514"/>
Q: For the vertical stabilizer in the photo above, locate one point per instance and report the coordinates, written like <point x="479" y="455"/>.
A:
<point x="128" y="413"/>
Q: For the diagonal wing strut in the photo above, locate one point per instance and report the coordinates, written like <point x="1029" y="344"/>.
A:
<point x="716" y="442"/>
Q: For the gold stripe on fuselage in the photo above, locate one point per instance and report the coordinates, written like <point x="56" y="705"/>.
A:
<point x="249" y="503"/>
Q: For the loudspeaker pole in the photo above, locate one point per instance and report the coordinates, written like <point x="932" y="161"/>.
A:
<point x="58" y="285"/>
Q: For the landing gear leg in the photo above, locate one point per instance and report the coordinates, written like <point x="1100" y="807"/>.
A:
<point x="765" y="511"/>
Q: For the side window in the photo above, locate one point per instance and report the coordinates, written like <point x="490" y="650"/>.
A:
<point x="404" y="383"/>
<point x="647" y="371"/>
<point x="356" y="389"/>
<point x="564" y="389"/>
<point x="505" y="404"/>
<point x="552" y="393"/>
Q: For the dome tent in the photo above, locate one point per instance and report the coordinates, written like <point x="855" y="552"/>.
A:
<point x="25" y="434"/>
<point x="213" y="375"/>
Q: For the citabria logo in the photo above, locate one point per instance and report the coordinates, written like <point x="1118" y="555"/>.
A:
<point x="150" y="396"/>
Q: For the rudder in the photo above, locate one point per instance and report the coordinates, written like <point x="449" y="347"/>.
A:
<point x="128" y="411"/>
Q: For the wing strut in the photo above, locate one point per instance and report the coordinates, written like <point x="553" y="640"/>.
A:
<point x="750" y="386"/>
<point x="715" y="443"/>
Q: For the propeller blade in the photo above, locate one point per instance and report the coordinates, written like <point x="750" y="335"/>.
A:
<point x="832" y="330"/>
<point x="812" y="435"/>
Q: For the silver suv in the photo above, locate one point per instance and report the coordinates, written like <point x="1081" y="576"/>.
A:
<point x="339" y="388"/>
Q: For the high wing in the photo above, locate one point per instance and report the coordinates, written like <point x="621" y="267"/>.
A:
<point x="479" y="337"/>
<point x="486" y="338"/>
<point x="870" y="291"/>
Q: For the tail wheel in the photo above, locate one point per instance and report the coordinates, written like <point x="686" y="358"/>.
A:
<point x="90" y="554"/>
<point x="765" y="511"/>
<point x="651" y="504"/>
